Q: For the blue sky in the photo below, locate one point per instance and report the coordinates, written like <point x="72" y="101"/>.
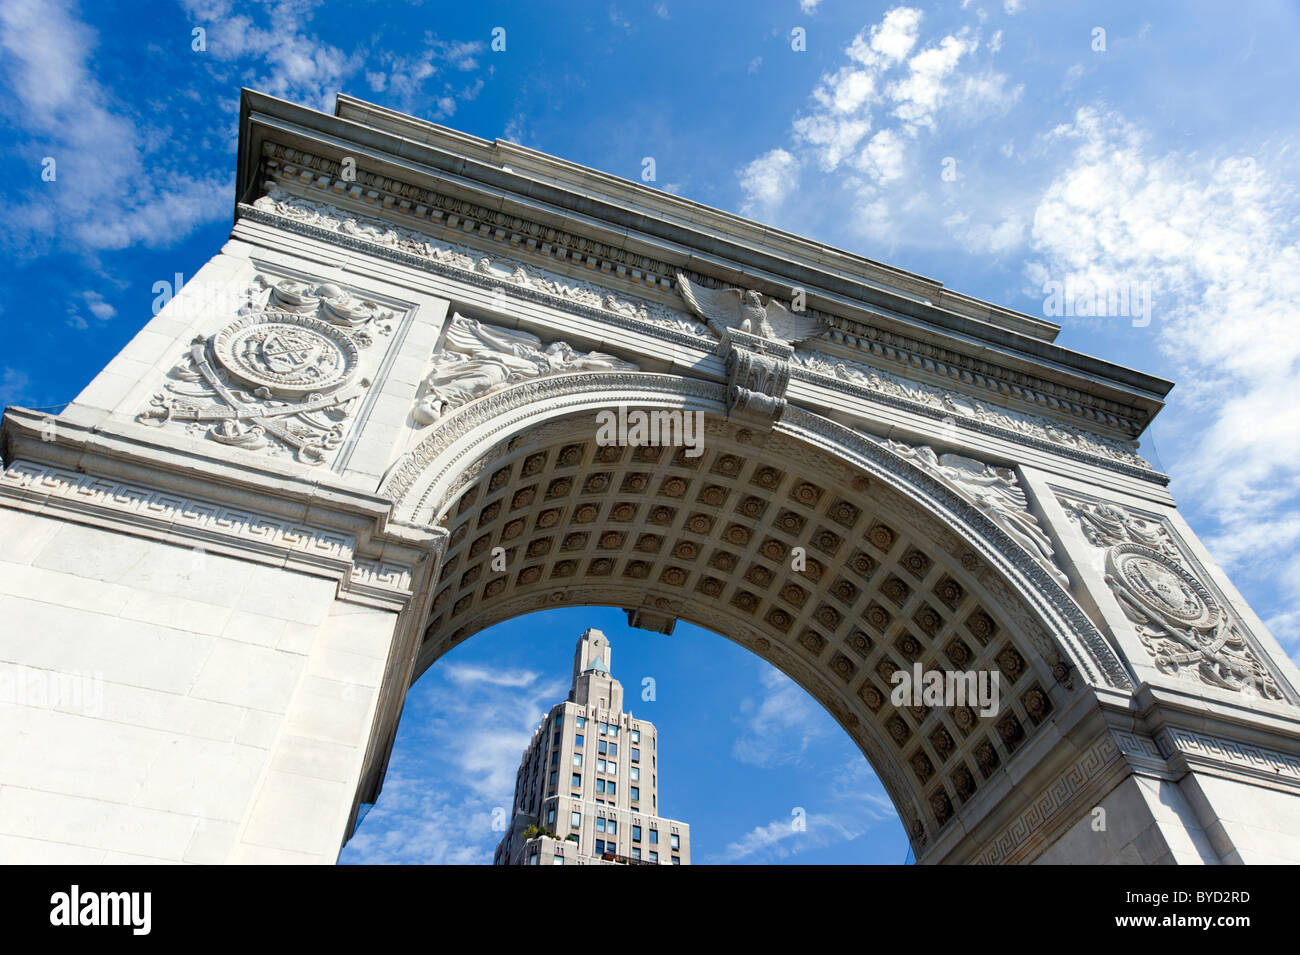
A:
<point x="995" y="145"/>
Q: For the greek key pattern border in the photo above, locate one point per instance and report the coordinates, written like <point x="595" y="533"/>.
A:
<point x="165" y="509"/>
<point x="1050" y="804"/>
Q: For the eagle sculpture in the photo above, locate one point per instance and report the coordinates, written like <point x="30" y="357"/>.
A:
<point x="747" y="311"/>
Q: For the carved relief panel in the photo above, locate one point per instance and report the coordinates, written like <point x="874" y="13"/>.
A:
<point x="1185" y="626"/>
<point x="285" y="376"/>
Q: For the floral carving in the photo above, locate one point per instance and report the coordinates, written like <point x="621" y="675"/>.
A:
<point x="282" y="376"/>
<point x="1178" y="620"/>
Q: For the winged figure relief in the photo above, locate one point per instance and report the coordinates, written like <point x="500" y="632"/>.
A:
<point x="747" y="311"/>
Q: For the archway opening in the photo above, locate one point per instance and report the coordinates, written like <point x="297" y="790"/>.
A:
<point x="828" y="556"/>
<point x="760" y="771"/>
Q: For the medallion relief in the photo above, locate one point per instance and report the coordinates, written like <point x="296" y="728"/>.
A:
<point x="283" y="377"/>
<point x="1182" y="625"/>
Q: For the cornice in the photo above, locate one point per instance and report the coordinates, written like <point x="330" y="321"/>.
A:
<point x="285" y="209"/>
<point x="110" y="480"/>
<point x="430" y="176"/>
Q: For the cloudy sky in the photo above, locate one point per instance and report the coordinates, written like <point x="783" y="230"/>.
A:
<point x="996" y="145"/>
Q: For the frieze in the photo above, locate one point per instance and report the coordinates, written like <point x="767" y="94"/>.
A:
<point x="166" y="510"/>
<point x="1051" y="805"/>
<point x="468" y="265"/>
<point x="937" y="403"/>
<point x="449" y="212"/>
<point x="496" y="270"/>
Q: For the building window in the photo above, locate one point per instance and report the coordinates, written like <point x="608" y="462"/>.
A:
<point x="654" y="837"/>
<point x="555" y="758"/>
<point x="600" y="824"/>
<point x="575" y="820"/>
<point x="602" y="746"/>
<point x="550" y="816"/>
<point x="610" y="787"/>
<point x="577" y="739"/>
<point x="636" y="773"/>
<point x="613" y="749"/>
<point x="577" y="759"/>
<point x="600" y="785"/>
<point x="604" y="728"/>
<point x="654" y="857"/>
<point x="613" y="768"/>
<point x="600" y="765"/>
<point x="636" y="736"/>
<point x="636" y="833"/>
<point x="559" y="859"/>
<point x="600" y="847"/>
<point x="577" y="780"/>
<point x="636" y="852"/>
<point x="532" y="859"/>
<point x="636" y="793"/>
<point x="636" y="755"/>
<point x="555" y="740"/>
<point x="611" y="825"/>
<point x="554" y="776"/>
<point x="613" y="730"/>
<point x="675" y="841"/>
<point x="677" y="860"/>
<point x="559" y="721"/>
<point x="580" y="722"/>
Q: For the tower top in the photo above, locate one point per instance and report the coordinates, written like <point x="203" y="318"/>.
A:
<point x="592" y="682"/>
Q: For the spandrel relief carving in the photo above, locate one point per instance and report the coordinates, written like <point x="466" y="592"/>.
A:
<point x="283" y="377"/>
<point x="995" y="491"/>
<point x="1188" y="632"/>
<point x="478" y="359"/>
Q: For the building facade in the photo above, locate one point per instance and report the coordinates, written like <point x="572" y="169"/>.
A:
<point x="590" y="780"/>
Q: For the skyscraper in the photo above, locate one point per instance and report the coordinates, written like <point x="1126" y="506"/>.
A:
<point x="587" y="790"/>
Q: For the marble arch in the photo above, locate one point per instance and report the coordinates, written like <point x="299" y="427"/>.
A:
<point x="276" y="508"/>
<point x="900" y="569"/>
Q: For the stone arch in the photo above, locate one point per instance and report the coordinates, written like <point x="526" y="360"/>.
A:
<point x="900" y="569"/>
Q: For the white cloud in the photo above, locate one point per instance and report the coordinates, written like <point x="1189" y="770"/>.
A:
<point x="987" y="237"/>
<point x="809" y="6"/>
<point x="496" y="677"/>
<point x="471" y="725"/>
<point x="115" y="186"/>
<point x="98" y="307"/>
<point x="13" y="386"/>
<point x="854" y="805"/>
<point x="918" y="97"/>
<point x="880" y="114"/>
<point x="888" y="41"/>
<point x="768" y="179"/>
<point x="884" y="156"/>
<point x="1219" y="246"/>
<point x="778" y="726"/>
<point x="1012" y="7"/>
